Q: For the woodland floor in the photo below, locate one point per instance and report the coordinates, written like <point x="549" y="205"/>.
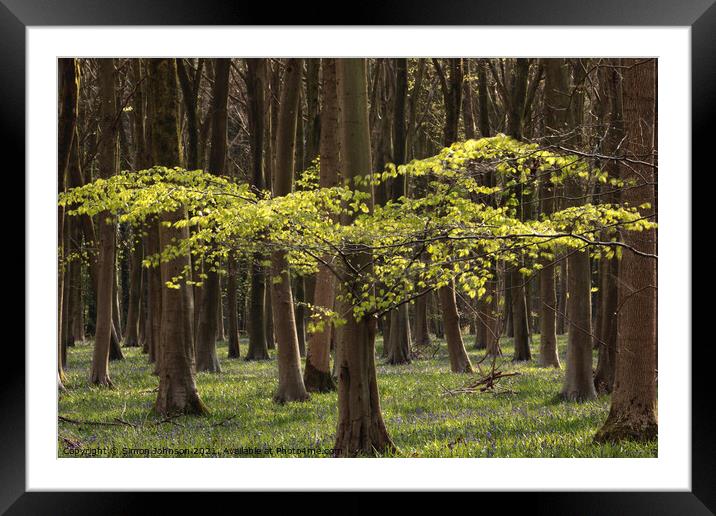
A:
<point x="524" y="420"/>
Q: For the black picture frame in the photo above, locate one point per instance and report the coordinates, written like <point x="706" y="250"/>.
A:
<point x="700" y="15"/>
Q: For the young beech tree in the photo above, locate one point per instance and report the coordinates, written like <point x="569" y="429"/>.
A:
<point x="206" y="358"/>
<point x="361" y="429"/>
<point x="105" y="262"/>
<point x="177" y="387"/>
<point x="317" y="375"/>
<point x="376" y="252"/>
<point x="633" y="412"/>
<point x="290" y="380"/>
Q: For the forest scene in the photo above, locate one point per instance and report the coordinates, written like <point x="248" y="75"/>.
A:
<point x="357" y="257"/>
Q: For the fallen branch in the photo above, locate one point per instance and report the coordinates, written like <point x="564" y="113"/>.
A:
<point x="483" y="384"/>
<point x="116" y="422"/>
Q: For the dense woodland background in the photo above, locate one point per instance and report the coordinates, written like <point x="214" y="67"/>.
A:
<point x="508" y="231"/>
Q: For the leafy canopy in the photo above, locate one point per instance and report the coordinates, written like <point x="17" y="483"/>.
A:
<point x="468" y="216"/>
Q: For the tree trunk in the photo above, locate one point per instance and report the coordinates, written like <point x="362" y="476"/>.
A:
<point x="190" y="95"/>
<point x="105" y="263"/>
<point x="483" y="112"/>
<point x="481" y="324"/>
<point x="177" y="393"/>
<point x="206" y="335"/>
<point x="301" y="314"/>
<point x="452" y="89"/>
<point x="317" y="375"/>
<point x="290" y="380"/>
<point x="154" y="298"/>
<point x="268" y="311"/>
<point x="607" y="332"/>
<point x="495" y="329"/>
<point x="517" y="287"/>
<point x="115" y="348"/>
<point x="555" y="111"/>
<point x="77" y="332"/>
<point x="633" y="412"/>
<point x="232" y="309"/>
<point x="360" y="430"/>
<point x="520" y="328"/>
<point x="459" y="361"/>
<point x="548" y="352"/>
<point x="562" y="297"/>
<point x="256" y="86"/>
<point x="422" y="335"/>
<point x="579" y="380"/>
<point x="399" y="334"/>
<point x="220" y="326"/>
<point x="67" y="122"/>
<point x="467" y="112"/>
<point x="131" y="338"/>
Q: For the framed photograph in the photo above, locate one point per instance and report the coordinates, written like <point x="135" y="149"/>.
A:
<point x="442" y="248"/>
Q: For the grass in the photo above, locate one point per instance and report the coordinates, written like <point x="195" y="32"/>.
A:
<point x="422" y="420"/>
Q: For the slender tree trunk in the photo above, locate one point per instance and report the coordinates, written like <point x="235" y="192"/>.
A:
<point x="459" y="361"/>
<point x="467" y="111"/>
<point x="154" y="298"/>
<point x="67" y="122"/>
<point x="633" y="412"/>
<point x="483" y="111"/>
<point x="290" y="382"/>
<point x="510" y="327"/>
<point x="481" y="324"/>
<point x="562" y="297"/>
<point x="301" y="314"/>
<point x="131" y="338"/>
<point x="177" y="393"/>
<point x="452" y="89"/>
<point x="399" y="334"/>
<point x="517" y="287"/>
<point x="411" y="135"/>
<point x="206" y="357"/>
<point x="143" y="312"/>
<point x="232" y="308"/>
<point x="555" y="111"/>
<point x="360" y="430"/>
<point x="190" y="83"/>
<point x="256" y="86"/>
<point x="268" y="310"/>
<point x="220" y="326"/>
<point x="495" y="329"/>
<point x="579" y="380"/>
<point x="317" y="375"/>
<point x="422" y="335"/>
<point x="519" y="317"/>
<point x="610" y="78"/>
<point x="607" y="344"/>
<point x="76" y="330"/>
<point x="105" y="264"/>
